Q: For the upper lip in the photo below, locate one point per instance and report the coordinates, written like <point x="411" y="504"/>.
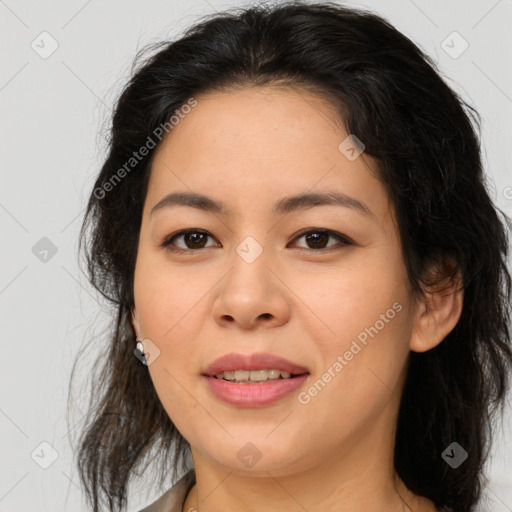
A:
<point x="257" y="361"/>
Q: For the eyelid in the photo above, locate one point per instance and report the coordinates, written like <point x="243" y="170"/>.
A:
<point x="343" y="239"/>
<point x="167" y="242"/>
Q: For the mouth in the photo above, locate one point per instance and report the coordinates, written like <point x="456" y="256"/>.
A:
<point x="256" y="376"/>
<point x="254" y="380"/>
<point x="256" y="367"/>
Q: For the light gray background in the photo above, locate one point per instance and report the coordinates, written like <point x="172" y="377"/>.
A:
<point x="52" y="113"/>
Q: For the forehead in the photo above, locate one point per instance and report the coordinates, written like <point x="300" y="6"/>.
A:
<point x="256" y="123"/>
<point x="260" y="142"/>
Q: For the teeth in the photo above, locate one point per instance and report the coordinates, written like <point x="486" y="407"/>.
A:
<point x="253" y="375"/>
<point x="242" y="375"/>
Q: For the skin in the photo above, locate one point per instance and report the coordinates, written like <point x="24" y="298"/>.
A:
<point x="249" y="148"/>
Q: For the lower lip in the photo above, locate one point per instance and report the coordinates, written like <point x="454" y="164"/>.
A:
<point x="254" y="395"/>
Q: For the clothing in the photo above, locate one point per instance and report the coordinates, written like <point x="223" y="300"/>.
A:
<point x="174" y="499"/>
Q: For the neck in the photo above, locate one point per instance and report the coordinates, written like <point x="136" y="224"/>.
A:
<point x="362" y="479"/>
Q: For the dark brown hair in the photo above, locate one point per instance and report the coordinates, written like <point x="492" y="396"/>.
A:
<point x="426" y="143"/>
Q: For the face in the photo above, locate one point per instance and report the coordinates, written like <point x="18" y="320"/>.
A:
<point x="323" y="286"/>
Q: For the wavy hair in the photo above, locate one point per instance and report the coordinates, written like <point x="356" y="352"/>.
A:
<point x="426" y="142"/>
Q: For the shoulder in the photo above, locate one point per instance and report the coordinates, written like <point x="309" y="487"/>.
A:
<point x="173" y="499"/>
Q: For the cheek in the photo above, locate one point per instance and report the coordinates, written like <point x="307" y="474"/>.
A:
<point x="366" y="345"/>
<point x="177" y="398"/>
<point x="348" y="301"/>
<point x="164" y="296"/>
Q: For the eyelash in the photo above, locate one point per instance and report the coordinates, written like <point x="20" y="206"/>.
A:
<point x="166" y="244"/>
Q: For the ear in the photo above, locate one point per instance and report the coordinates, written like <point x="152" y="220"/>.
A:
<point x="438" y="314"/>
<point x="135" y="322"/>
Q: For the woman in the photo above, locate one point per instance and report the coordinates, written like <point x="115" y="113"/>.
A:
<point x="293" y="226"/>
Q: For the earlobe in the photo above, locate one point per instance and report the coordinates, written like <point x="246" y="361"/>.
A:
<point x="437" y="315"/>
<point x="135" y="322"/>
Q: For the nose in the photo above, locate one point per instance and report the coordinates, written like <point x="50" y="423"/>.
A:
<point x="252" y="295"/>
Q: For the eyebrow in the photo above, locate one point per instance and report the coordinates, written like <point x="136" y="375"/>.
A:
<point x="283" y="206"/>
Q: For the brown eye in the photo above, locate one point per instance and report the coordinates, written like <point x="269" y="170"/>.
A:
<point x="193" y="239"/>
<point x="317" y="239"/>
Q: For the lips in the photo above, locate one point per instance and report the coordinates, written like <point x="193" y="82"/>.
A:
<point x="261" y="394"/>
<point x="257" y="361"/>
